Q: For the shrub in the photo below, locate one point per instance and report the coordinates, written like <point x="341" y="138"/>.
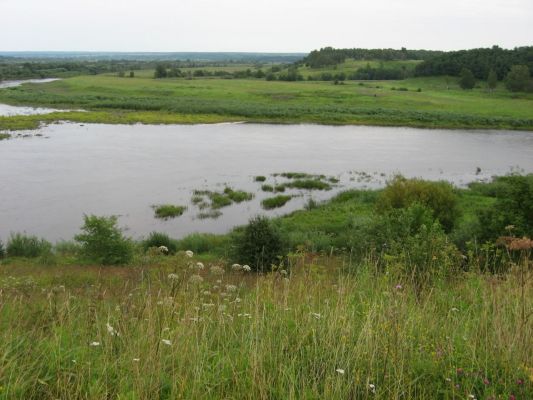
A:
<point x="204" y="243"/>
<point x="437" y="196"/>
<point x="103" y="242"/>
<point x="275" y="202"/>
<point x="259" y="245"/>
<point x="67" y="248"/>
<point x="157" y="239"/>
<point x="20" y="245"/>
<point x="2" y="250"/>
<point x="166" y="211"/>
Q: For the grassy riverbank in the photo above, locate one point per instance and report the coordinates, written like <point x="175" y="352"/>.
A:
<point x="417" y="102"/>
<point x="388" y="294"/>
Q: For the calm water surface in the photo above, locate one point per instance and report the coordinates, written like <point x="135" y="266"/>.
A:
<point x="47" y="183"/>
<point x="8" y="111"/>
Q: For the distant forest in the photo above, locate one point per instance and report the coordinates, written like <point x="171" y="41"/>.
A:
<point x="329" y="56"/>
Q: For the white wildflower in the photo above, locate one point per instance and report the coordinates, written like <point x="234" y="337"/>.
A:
<point x="112" y="331"/>
<point x="200" y="265"/>
<point x="246" y="268"/>
<point x="316" y="315"/>
<point x="283" y="272"/>
<point x="206" y="293"/>
<point x="189" y="253"/>
<point x="216" y="270"/>
<point x="231" y="288"/>
<point x="94" y="344"/>
<point x="372" y="388"/>
<point x="136" y="359"/>
<point x="167" y="342"/>
<point x="195" y="279"/>
<point x="340" y="371"/>
<point x="173" y="277"/>
<point x="222" y="307"/>
<point x="454" y="309"/>
<point x="236" y="267"/>
<point x="163" y="249"/>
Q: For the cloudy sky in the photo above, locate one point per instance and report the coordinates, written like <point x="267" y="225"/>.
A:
<point x="253" y="25"/>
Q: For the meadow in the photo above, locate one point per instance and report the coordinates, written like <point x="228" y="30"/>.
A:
<point x="388" y="294"/>
<point x="418" y="102"/>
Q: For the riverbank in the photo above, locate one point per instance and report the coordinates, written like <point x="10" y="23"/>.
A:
<point x="417" y="102"/>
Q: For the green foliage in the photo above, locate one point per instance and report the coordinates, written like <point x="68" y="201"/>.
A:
<point x="308" y="184"/>
<point x="160" y="71"/>
<point x="20" y="245"/>
<point x="205" y="243"/>
<point x="166" y="211"/>
<point x="259" y="245"/>
<point x="267" y="188"/>
<point x="238" y="196"/>
<point x="467" y="79"/>
<point x="275" y="202"/>
<point x="440" y="197"/>
<point x="492" y="80"/>
<point x="4" y="136"/>
<point x="513" y="207"/>
<point x="157" y="239"/>
<point x="103" y="242"/>
<point x="260" y="178"/>
<point x="2" y="249"/>
<point x="518" y="78"/>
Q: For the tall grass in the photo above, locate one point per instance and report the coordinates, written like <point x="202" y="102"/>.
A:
<point x="327" y="330"/>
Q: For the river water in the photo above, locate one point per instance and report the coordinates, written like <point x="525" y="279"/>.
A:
<point x="48" y="182"/>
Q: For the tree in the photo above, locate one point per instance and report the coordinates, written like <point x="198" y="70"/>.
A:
<point x="103" y="242"/>
<point x="132" y="74"/>
<point x="518" y="78"/>
<point x="160" y="71"/>
<point x="492" y="80"/>
<point x="466" y="79"/>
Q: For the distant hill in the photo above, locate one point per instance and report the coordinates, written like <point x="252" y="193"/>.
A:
<point x="157" y="56"/>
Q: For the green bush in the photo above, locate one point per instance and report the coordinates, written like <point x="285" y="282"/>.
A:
<point x="166" y="211"/>
<point x="437" y="196"/>
<point x="204" y="243"/>
<point x="20" y="245"/>
<point x="157" y="239"/>
<point x="259" y="244"/>
<point x="260" y="178"/>
<point x="103" y="242"/>
<point x="66" y="248"/>
<point x="2" y="250"/>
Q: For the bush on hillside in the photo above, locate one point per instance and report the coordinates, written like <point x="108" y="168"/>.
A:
<point x="158" y="239"/>
<point x="259" y="244"/>
<point x="437" y="196"/>
<point x="103" y="242"/>
<point x="20" y="245"/>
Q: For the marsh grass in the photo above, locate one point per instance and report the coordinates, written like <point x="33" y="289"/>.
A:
<point x="167" y="211"/>
<point x="309" y="184"/>
<point x="329" y="329"/>
<point x="4" y="136"/>
<point x="275" y="202"/>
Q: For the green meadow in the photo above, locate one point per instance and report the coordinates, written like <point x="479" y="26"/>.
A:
<point x="418" y="102"/>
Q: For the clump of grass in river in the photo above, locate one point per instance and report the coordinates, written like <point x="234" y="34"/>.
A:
<point x="167" y="211"/>
<point x="275" y="202"/>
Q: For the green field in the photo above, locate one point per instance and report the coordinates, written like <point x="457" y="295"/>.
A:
<point x="423" y="321"/>
<point x="421" y="102"/>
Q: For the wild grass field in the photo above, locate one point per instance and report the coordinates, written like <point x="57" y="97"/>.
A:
<point x="416" y="291"/>
<point x="418" y="102"/>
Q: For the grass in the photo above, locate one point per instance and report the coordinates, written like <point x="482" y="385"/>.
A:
<point x="167" y="211"/>
<point x="329" y="329"/>
<point x="4" y="136"/>
<point x="308" y="184"/>
<point x="275" y="202"/>
<point x="260" y="178"/>
<point x="108" y="99"/>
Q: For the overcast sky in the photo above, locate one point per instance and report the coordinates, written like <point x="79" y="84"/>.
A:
<point x="270" y="25"/>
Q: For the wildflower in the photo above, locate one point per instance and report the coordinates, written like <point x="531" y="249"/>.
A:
<point x="236" y="267"/>
<point x="340" y="371"/>
<point x="167" y="342"/>
<point x="136" y="359"/>
<point x="94" y="344"/>
<point x="222" y="307"/>
<point x="206" y="293"/>
<point x="246" y="268"/>
<point x="195" y="280"/>
<point x="283" y="272"/>
<point x="399" y="287"/>
<point x="486" y="381"/>
<point x="216" y="270"/>
<point x="471" y="396"/>
<point x="372" y="388"/>
<point x="112" y="331"/>
<point x="231" y="288"/>
<point x="173" y="277"/>
<point x="316" y="315"/>
<point x="189" y="253"/>
<point x="163" y="249"/>
<point x="200" y="265"/>
<point x="454" y="309"/>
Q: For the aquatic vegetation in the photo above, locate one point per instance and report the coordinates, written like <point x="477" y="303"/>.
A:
<point x="275" y="202"/>
<point x="308" y="184"/>
<point x="238" y="196"/>
<point x="4" y="136"/>
<point x="260" y="178"/>
<point x="167" y="211"/>
<point x="267" y="188"/>
<point x="210" y="214"/>
<point x="215" y="200"/>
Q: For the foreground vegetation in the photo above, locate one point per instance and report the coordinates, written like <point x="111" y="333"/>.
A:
<point x="417" y="291"/>
<point x="418" y="102"/>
